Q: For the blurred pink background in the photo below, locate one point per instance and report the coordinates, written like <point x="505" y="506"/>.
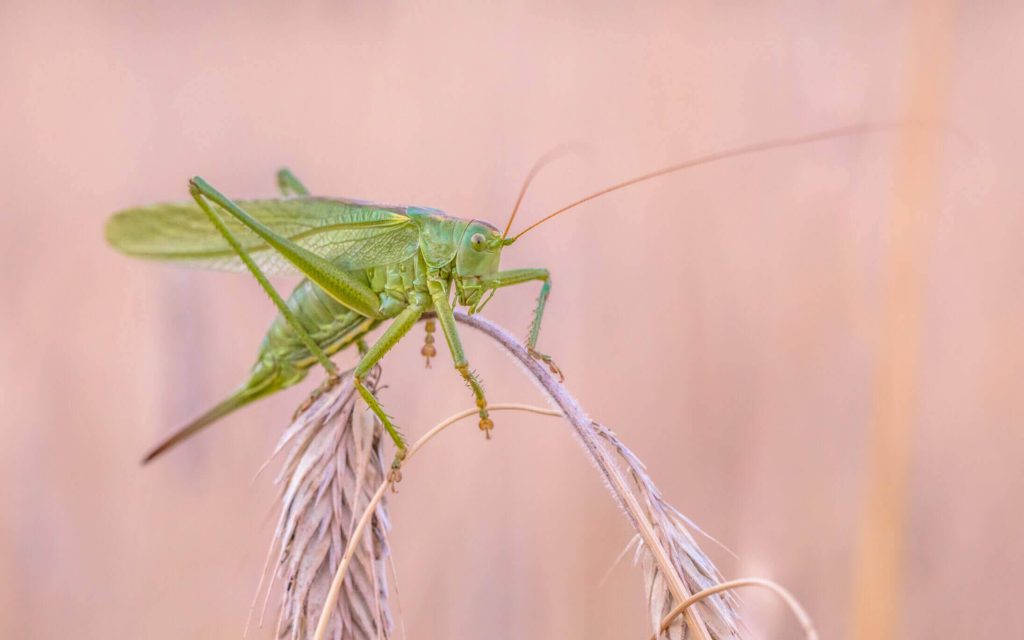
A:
<point x="744" y="326"/>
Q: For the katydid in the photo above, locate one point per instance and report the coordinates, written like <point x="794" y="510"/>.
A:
<point x="363" y="264"/>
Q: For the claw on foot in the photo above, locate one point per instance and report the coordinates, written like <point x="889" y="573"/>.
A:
<point x="395" y="475"/>
<point x="486" y="424"/>
<point x="331" y="381"/>
<point x="307" y="403"/>
<point x="546" y="359"/>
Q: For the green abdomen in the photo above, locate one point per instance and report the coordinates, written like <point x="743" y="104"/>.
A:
<point x="331" y="325"/>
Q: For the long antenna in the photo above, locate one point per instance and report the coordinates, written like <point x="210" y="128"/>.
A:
<point x="777" y="143"/>
<point x="544" y="160"/>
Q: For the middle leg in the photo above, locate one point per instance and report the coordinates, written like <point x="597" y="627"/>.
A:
<point x="395" y="332"/>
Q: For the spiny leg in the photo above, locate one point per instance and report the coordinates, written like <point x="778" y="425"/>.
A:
<point x="341" y="285"/>
<point x="395" y="332"/>
<point x="282" y="307"/>
<point x="312" y="265"/>
<point x="519" y="276"/>
<point x="446" y="317"/>
<point x="289" y="185"/>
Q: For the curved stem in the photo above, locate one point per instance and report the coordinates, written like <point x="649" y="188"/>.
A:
<point x="787" y="597"/>
<point x="371" y="507"/>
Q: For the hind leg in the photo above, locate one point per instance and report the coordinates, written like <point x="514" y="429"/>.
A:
<point x="289" y="185"/>
<point x="282" y="307"/>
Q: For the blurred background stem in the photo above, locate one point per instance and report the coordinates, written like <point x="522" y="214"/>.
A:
<point x="880" y="558"/>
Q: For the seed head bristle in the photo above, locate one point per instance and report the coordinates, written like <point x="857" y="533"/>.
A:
<point x="332" y="469"/>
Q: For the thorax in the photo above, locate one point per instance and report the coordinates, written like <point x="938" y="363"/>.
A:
<point x="403" y="283"/>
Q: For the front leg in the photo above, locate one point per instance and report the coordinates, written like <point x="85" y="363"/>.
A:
<point x="519" y="276"/>
<point x="446" y="318"/>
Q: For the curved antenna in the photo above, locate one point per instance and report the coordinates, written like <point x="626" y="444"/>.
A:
<point x="547" y="158"/>
<point x="776" y="143"/>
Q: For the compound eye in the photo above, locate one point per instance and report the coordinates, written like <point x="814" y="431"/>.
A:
<point x="477" y="240"/>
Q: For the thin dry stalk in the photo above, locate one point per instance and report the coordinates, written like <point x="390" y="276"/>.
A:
<point x="357" y="532"/>
<point x="329" y="476"/>
<point x="794" y="605"/>
<point x="881" y="557"/>
<point x="678" y="571"/>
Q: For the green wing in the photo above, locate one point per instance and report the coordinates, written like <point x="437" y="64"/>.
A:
<point x="353" y="235"/>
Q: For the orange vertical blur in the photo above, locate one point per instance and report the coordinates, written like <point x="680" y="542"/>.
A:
<point x="880" y="557"/>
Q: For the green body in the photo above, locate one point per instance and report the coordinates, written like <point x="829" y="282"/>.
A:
<point x="365" y="264"/>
